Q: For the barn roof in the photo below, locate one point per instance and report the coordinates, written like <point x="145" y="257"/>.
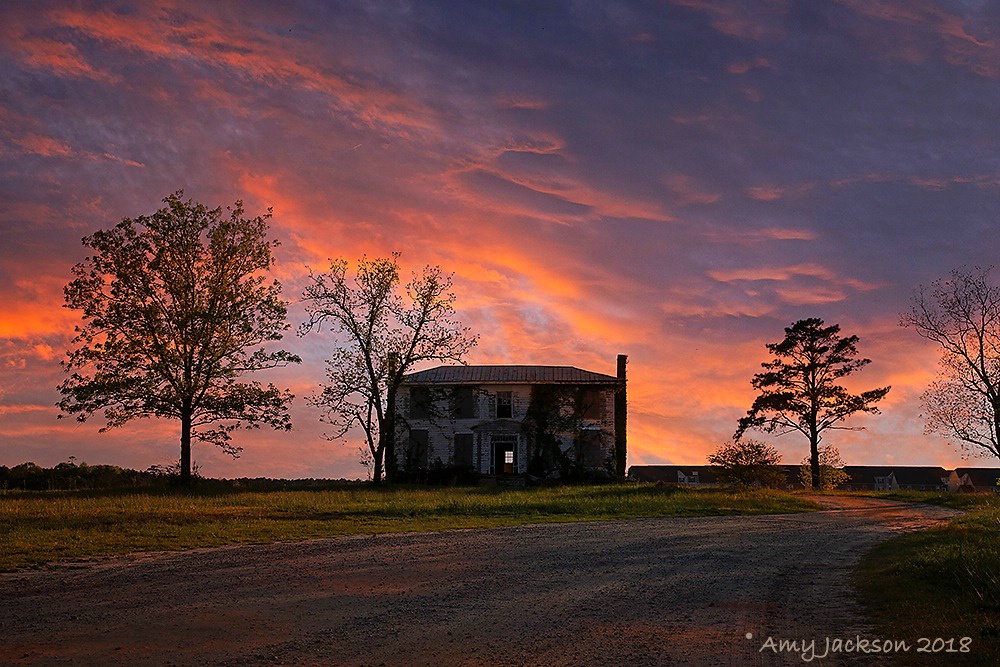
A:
<point x="508" y="375"/>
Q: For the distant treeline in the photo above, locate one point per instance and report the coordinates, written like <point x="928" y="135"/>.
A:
<point x="71" y="476"/>
<point x="68" y="476"/>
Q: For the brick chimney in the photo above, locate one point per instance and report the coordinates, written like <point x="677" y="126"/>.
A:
<point x="621" y="420"/>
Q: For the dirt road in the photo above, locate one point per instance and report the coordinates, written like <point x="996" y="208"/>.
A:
<point x="647" y="592"/>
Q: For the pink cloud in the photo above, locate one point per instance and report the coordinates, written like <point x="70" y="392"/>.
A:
<point x="743" y="20"/>
<point x="521" y="102"/>
<point x="774" y="192"/>
<point x="36" y="144"/>
<point x="745" y="66"/>
<point x="686" y="191"/>
<point x="171" y="34"/>
<point x="115" y="158"/>
<point x="59" y="57"/>
<point x="957" y="40"/>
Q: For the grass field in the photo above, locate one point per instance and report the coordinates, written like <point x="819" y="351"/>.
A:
<point x="43" y="527"/>
<point x="940" y="583"/>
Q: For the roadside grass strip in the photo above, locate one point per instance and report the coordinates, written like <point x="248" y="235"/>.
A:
<point x="940" y="584"/>
<point x="45" y="527"/>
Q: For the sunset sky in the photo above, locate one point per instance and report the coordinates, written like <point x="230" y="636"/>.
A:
<point x="677" y="181"/>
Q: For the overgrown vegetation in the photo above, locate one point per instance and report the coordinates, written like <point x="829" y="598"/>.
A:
<point x="42" y="527"/>
<point x="943" y="582"/>
<point x="554" y="413"/>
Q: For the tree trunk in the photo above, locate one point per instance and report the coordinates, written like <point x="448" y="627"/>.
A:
<point x="814" y="458"/>
<point x="387" y="430"/>
<point x="996" y="429"/>
<point x="377" y="465"/>
<point x="387" y="434"/>
<point x="185" y="471"/>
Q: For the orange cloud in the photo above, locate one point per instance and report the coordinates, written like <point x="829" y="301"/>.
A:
<point x="32" y="309"/>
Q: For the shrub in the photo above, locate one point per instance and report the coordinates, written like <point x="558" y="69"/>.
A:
<point x="747" y="463"/>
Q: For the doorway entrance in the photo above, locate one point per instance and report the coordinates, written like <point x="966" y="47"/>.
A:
<point x="504" y="454"/>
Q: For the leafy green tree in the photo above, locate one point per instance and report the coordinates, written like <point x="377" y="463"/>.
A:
<point x="831" y="470"/>
<point x="798" y="389"/>
<point x="386" y="329"/>
<point x="176" y="308"/>
<point x="962" y="315"/>
<point x="747" y="462"/>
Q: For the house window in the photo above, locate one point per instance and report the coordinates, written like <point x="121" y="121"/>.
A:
<point x="463" y="403"/>
<point x="463" y="450"/>
<point x="420" y="402"/>
<point x="593" y="405"/>
<point x="505" y="405"/>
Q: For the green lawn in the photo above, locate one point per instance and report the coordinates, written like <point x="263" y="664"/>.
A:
<point x="42" y="527"/>
<point x="940" y="583"/>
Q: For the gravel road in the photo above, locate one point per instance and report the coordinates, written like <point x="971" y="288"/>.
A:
<point x="643" y="592"/>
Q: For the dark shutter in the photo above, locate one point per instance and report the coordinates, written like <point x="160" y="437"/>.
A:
<point x="417" y="454"/>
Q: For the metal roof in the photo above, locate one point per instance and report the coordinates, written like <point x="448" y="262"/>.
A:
<point x="508" y="375"/>
<point x="905" y="475"/>
<point x="981" y="476"/>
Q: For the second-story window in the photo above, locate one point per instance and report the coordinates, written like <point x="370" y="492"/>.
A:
<point x="463" y="403"/>
<point x="420" y="402"/>
<point x="505" y="405"/>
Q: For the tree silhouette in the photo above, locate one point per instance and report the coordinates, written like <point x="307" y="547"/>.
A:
<point x="176" y="308"/>
<point x="962" y="315"/>
<point x="798" y="389"/>
<point x="386" y="331"/>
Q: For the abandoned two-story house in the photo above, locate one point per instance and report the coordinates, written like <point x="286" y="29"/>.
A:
<point x="548" y="421"/>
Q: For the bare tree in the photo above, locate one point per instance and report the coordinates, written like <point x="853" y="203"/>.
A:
<point x="798" y="390"/>
<point x="176" y="307"/>
<point x="386" y="329"/>
<point x="961" y="313"/>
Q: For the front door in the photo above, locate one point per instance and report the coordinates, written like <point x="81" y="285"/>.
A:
<point x="504" y="454"/>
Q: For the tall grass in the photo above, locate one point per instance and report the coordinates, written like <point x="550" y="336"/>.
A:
<point x="42" y="527"/>
<point x="943" y="582"/>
